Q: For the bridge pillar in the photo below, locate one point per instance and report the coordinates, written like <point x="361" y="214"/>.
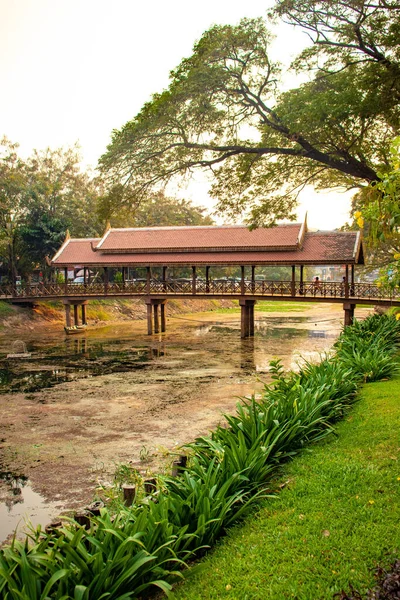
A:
<point x="68" y="302"/>
<point x="76" y="315"/>
<point x="84" y="319"/>
<point x="163" y="321"/>
<point x="153" y="315"/>
<point x="348" y="313"/>
<point x="247" y="317"/>
<point x="68" y="315"/>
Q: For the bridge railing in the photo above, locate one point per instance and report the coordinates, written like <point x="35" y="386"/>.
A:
<point x="217" y="287"/>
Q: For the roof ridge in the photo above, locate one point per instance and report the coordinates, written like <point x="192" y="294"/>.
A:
<point x="169" y="227"/>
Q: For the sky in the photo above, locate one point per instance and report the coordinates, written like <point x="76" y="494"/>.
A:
<point x="73" y="70"/>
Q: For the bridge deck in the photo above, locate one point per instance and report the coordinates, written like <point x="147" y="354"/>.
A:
<point x="357" y="293"/>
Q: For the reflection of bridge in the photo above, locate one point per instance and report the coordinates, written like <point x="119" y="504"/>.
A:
<point x="156" y="293"/>
<point x="155" y="254"/>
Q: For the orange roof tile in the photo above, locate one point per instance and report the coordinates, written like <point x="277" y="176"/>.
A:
<point x="318" y="248"/>
<point x="200" y="238"/>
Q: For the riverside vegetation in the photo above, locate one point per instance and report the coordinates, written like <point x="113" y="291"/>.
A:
<point x="127" y="552"/>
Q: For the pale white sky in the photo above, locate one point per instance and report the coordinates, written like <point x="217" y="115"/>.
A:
<point x="74" y="70"/>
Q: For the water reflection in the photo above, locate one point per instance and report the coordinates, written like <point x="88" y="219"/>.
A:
<point x="126" y="351"/>
<point x="21" y="504"/>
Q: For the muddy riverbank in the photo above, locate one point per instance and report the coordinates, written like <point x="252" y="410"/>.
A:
<point x="116" y="395"/>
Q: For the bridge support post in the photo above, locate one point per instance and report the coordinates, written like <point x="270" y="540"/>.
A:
<point x="68" y="315"/>
<point x="348" y="313"/>
<point x="156" y="319"/>
<point x="153" y="315"/>
<point x="163" y="321"/>
<point x="84" y="319"/>
<point x="76" y="315"/>
<point x="247" y="317"/>
<point x="149" y="319"/>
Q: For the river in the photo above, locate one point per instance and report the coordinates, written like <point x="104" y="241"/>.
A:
<point x="80" y="406"/>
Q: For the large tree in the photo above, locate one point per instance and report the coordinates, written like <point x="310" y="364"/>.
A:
<point x="224" y="111"/>
<point x="40" y="198"/>
<point x="156" y="210"/>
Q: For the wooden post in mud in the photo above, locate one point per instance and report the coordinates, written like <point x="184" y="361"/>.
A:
<point x="129" y="494"/>
<point x="76" y="315"/>
<point x="348" y="313"/>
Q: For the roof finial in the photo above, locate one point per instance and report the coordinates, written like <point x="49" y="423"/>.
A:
<point x="67" y="236"/>
<point x="108" y="226"/>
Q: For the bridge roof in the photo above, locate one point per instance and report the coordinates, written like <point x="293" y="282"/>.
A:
<point x="313" y="248"/>
<point x="200" y="239"/>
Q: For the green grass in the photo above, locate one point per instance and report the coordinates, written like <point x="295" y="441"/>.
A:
<point x="272" y="306"/>
<point x="6" y="309"/>
<point x="337" y="518"/>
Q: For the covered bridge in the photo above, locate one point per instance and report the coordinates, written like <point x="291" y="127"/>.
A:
<point x="159" y="249"/>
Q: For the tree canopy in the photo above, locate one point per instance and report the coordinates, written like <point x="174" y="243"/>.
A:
<point x="224" y="111"/>
<point x="46" y="194"/>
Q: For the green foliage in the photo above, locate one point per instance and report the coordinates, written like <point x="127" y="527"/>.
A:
<point x="155" y="210"/>
<point x="334" y="518"/>
<point x="148" y="544"/>
<point x="224" y="111"/>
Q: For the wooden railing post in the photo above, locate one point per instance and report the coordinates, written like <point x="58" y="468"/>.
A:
<point x="293" y="283"/>
<point x="194" y="277"/>
<point x="148" y="278"/>
<point x="346" y="283"/>
<point x="105" y="280"/>
<point x="242" y="286"/>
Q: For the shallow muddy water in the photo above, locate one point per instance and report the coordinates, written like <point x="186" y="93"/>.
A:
<point x="79" y="406"/>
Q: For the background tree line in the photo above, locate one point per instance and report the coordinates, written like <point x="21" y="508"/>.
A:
<point x="46" y="194"/>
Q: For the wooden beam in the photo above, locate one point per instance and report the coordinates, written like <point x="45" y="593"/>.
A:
<point x="293" y="284"/>
<point x="194" y="277"/>
<point x="301" y="279"/>
<point x="163" y="321"/>
<point x="68" y="315"/>
<point x="242" y="286"/>
<point x="156" y="319"/>
<point x="149" y="319"/>
<point x="148" y="279"/>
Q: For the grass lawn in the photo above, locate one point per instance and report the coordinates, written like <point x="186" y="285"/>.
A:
<point x="273" y="306"/>
<point x="336" y="519"/>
